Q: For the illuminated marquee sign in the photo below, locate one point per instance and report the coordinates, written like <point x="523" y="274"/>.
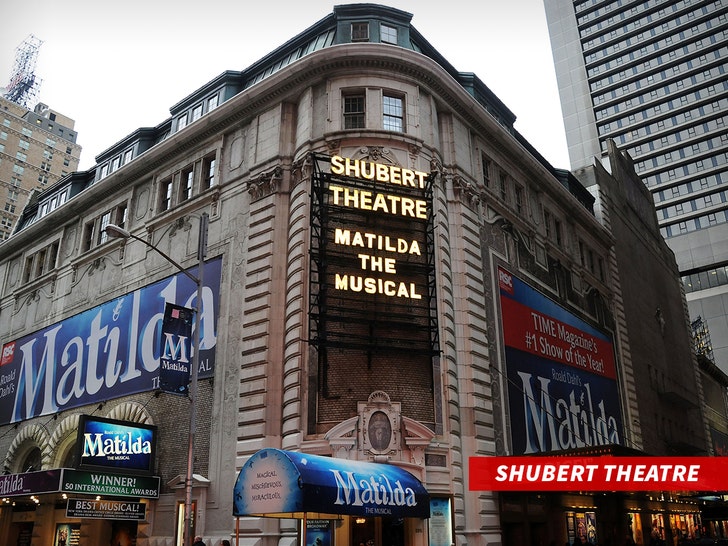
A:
<point x="378" y="253"/>
<point x="372" y="255"/>
<point x="108" y="444"/>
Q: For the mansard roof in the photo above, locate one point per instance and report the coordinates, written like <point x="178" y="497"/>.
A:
<point x="333" y="30"/>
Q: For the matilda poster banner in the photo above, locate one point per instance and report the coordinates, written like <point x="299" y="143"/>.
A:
<point x="562" y="388"/>
<point x="106" y="352"/>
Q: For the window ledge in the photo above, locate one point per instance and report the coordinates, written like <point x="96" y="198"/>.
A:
<point x="36" y="284"/>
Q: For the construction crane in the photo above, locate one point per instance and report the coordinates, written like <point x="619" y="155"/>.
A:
<point x="24" y="84"/>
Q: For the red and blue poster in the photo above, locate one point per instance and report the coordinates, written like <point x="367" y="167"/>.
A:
<point x="562" y="381"/>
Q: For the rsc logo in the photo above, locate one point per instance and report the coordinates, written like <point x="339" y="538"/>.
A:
<point x="505" y="280"/>
<point x="8" y="351"/>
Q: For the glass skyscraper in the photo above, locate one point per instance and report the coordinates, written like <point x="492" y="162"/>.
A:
<point x="652" y="76"/>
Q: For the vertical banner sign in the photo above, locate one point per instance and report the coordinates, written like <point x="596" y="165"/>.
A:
<point x="174" y="366"/>
<point x="562" y="381"/>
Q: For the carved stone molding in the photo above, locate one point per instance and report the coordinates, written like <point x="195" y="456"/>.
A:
<point x="414" y="151"/>
<point x="436" y="167"/>
<point x="342" y="438"/>
<point x="381" y="433"/>
<point x="265" y="184"/>
<point x="376" y="154"/>
<point x="334" y="146"/>
<point x="301" y="168"/>
<point x="417" y="437"/>
<point x="465" y="191"/>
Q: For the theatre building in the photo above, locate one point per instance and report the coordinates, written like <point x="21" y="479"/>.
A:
<point x="390" y="281"/>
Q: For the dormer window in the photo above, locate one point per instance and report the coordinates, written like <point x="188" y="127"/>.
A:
<point x="197" y="112"/>
<point x="360" y="32"/>
<point x="388" y="34"/>
<point x="182" y="122"/>
<point x="212" y="103"/>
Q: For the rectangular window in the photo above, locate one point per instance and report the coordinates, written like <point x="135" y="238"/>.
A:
<point x="28" y="269"/>
<point x="94" y="233"/>
<point x="354" y="112"/>
<point x="105" y="221"/>
<point x="389" y="34"/>
<point x="503" y="186"/>
<point x="186" y="179"/>
<point x="393" y="108"/>
<point x="520" y="201"/>
<point x="547" y="223"/>
<point x="165" y="195"/>
<point x="40" y="263"/>
<point x="487" y="166"/>
<point x="360" y="32"/>
<point x="53" y="255"/>
<point x="120" y="215"/>
<point x="558" y="232"/>
<point x="197" y="112"/>
<point x="208" y="172"/>
<point x="88" y="235"/>
<point x="212" y="103"/>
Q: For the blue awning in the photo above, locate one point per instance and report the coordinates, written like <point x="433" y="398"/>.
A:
<point x="279" y="483"/>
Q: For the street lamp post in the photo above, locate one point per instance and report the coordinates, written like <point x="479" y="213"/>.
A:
<point x="117" y="232"/>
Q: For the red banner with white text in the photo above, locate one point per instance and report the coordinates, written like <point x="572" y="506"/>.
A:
<point x="598" y="473"/>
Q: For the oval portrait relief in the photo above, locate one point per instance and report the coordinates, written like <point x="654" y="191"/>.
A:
<point x="380" y="431"/>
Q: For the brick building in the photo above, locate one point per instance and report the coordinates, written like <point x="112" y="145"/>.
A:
<point x="37" y="148"/>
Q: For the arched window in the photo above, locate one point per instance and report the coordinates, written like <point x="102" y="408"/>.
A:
<point x="32" y="461"/>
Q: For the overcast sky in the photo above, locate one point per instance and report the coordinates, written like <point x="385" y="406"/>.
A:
<point x="116" y="66"/>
